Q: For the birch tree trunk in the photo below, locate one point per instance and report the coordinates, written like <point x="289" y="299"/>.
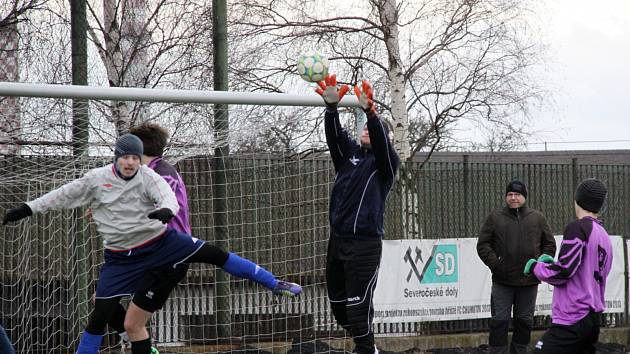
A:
<point x="388" y="13"/>
<point x="134" y="40"/>
<point x="389" y="20"/>
<point x="112" y="57"/>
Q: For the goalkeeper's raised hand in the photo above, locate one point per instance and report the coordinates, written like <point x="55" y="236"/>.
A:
<point x="365" y="94"/>
<point x="330" y="92"/>
<point x="164" y="215"/>
<point x="16" y="214"/>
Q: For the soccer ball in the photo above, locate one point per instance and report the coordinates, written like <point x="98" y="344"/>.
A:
<point x="312" y="67"/>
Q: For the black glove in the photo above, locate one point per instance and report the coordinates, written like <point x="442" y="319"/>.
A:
<point x="164" y="215"/>
<point x="16" y="214"/>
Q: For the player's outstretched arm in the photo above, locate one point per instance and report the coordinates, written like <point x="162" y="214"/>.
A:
<point x="387" y="160"/>
<point x="68" y="196"/>
<point x="17" y="213"/>
<point x="337" y="138"/>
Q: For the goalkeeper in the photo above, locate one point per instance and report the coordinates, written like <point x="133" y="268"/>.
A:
<point x="130" y="204"/>
<point x="365" y="175"/>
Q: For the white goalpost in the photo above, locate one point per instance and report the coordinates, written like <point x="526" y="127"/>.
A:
<point x="163" y="95"/>
<point x="276" y="210"/>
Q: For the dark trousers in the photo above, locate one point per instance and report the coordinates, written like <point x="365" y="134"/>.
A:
<point x="351" y="274"/>
<point x="503" y="301"/>
<point x="576" y="338"/>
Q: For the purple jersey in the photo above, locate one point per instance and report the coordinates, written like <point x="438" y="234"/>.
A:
<point x="180" y="222"/>
<point x="579" y="276"/>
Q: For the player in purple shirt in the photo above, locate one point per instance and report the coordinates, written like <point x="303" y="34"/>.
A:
<point x="578" y="276"/>
<point x="180" y="222"/>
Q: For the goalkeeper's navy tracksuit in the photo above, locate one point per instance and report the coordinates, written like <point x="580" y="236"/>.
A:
<point x="363" y="181"/>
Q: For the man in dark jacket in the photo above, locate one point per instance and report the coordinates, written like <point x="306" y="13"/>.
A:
<point x="507" y="240"/>
<point x="365" y="175"/>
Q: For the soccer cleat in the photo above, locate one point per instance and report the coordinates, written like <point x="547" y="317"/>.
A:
<point x="285" y="288"/>
<point x="154" y="350"/>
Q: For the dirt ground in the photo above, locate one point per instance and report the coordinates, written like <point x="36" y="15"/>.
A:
<point x="320" y="347"/>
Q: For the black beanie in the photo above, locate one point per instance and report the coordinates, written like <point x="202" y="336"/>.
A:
<point x="590" y="195"/>
<point x="516" y="186"/>
<point x="128" y="144"/>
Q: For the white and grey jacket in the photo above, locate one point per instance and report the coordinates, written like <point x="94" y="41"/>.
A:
<point x="119" y="207"/>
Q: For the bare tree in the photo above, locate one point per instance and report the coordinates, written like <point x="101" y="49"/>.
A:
<point x="434" y="63"/>
<point x="149" y="44"/>
<point x="169" y="40"/>
<point x="12" y="11"/>
<point x="437" y="65"/>
<point x="11" y="14"/>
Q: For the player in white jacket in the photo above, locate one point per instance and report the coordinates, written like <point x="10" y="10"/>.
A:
<point x="130" y="205"/>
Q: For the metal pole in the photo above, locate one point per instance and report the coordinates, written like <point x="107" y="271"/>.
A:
<point x="80" y="136"/>
<point x="221" y="154"/>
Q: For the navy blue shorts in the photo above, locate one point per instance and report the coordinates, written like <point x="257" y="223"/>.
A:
<point x="123" y="270"/>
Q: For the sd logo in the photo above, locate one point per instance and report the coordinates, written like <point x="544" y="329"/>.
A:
<point x="440" y="267"/>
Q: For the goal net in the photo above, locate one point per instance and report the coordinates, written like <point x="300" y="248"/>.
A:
<point x="269" y="198"/>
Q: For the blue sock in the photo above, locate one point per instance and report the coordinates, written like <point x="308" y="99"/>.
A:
<point x="89" y="343"/>
<point x="244" y="268"/>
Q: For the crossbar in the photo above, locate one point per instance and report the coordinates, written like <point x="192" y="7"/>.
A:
<point x="14" y="89"/>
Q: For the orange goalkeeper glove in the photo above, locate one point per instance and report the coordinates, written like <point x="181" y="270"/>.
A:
<point x="329" y="91"/>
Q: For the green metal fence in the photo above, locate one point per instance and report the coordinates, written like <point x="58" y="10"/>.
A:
<point x="277" y="215"/>
<point x="455" y="198"/>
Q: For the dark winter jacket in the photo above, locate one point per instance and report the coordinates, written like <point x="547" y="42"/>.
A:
<point x="509" y="238"/>
<point x="364" y="178"/>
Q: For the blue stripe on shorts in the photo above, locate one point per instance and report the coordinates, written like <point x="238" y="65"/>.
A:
<point x="123" y="270"/>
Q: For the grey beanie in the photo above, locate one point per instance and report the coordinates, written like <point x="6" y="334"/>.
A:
<point x="128" y="144"/>
<point x="590" y="195"/>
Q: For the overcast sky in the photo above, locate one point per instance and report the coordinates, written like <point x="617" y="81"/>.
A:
<point x="590" y="74"/>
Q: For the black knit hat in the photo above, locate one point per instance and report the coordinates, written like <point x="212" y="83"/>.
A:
<point x="128" y="144"/>
<point x="590" y="195"/>
<point x="516" y="186"/>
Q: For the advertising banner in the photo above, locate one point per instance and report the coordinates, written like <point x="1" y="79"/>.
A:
<point x="431" y="280"/>
<point x="437" y="280"/>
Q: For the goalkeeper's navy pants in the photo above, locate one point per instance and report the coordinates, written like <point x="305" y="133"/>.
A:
<point x="351" y="273"/>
